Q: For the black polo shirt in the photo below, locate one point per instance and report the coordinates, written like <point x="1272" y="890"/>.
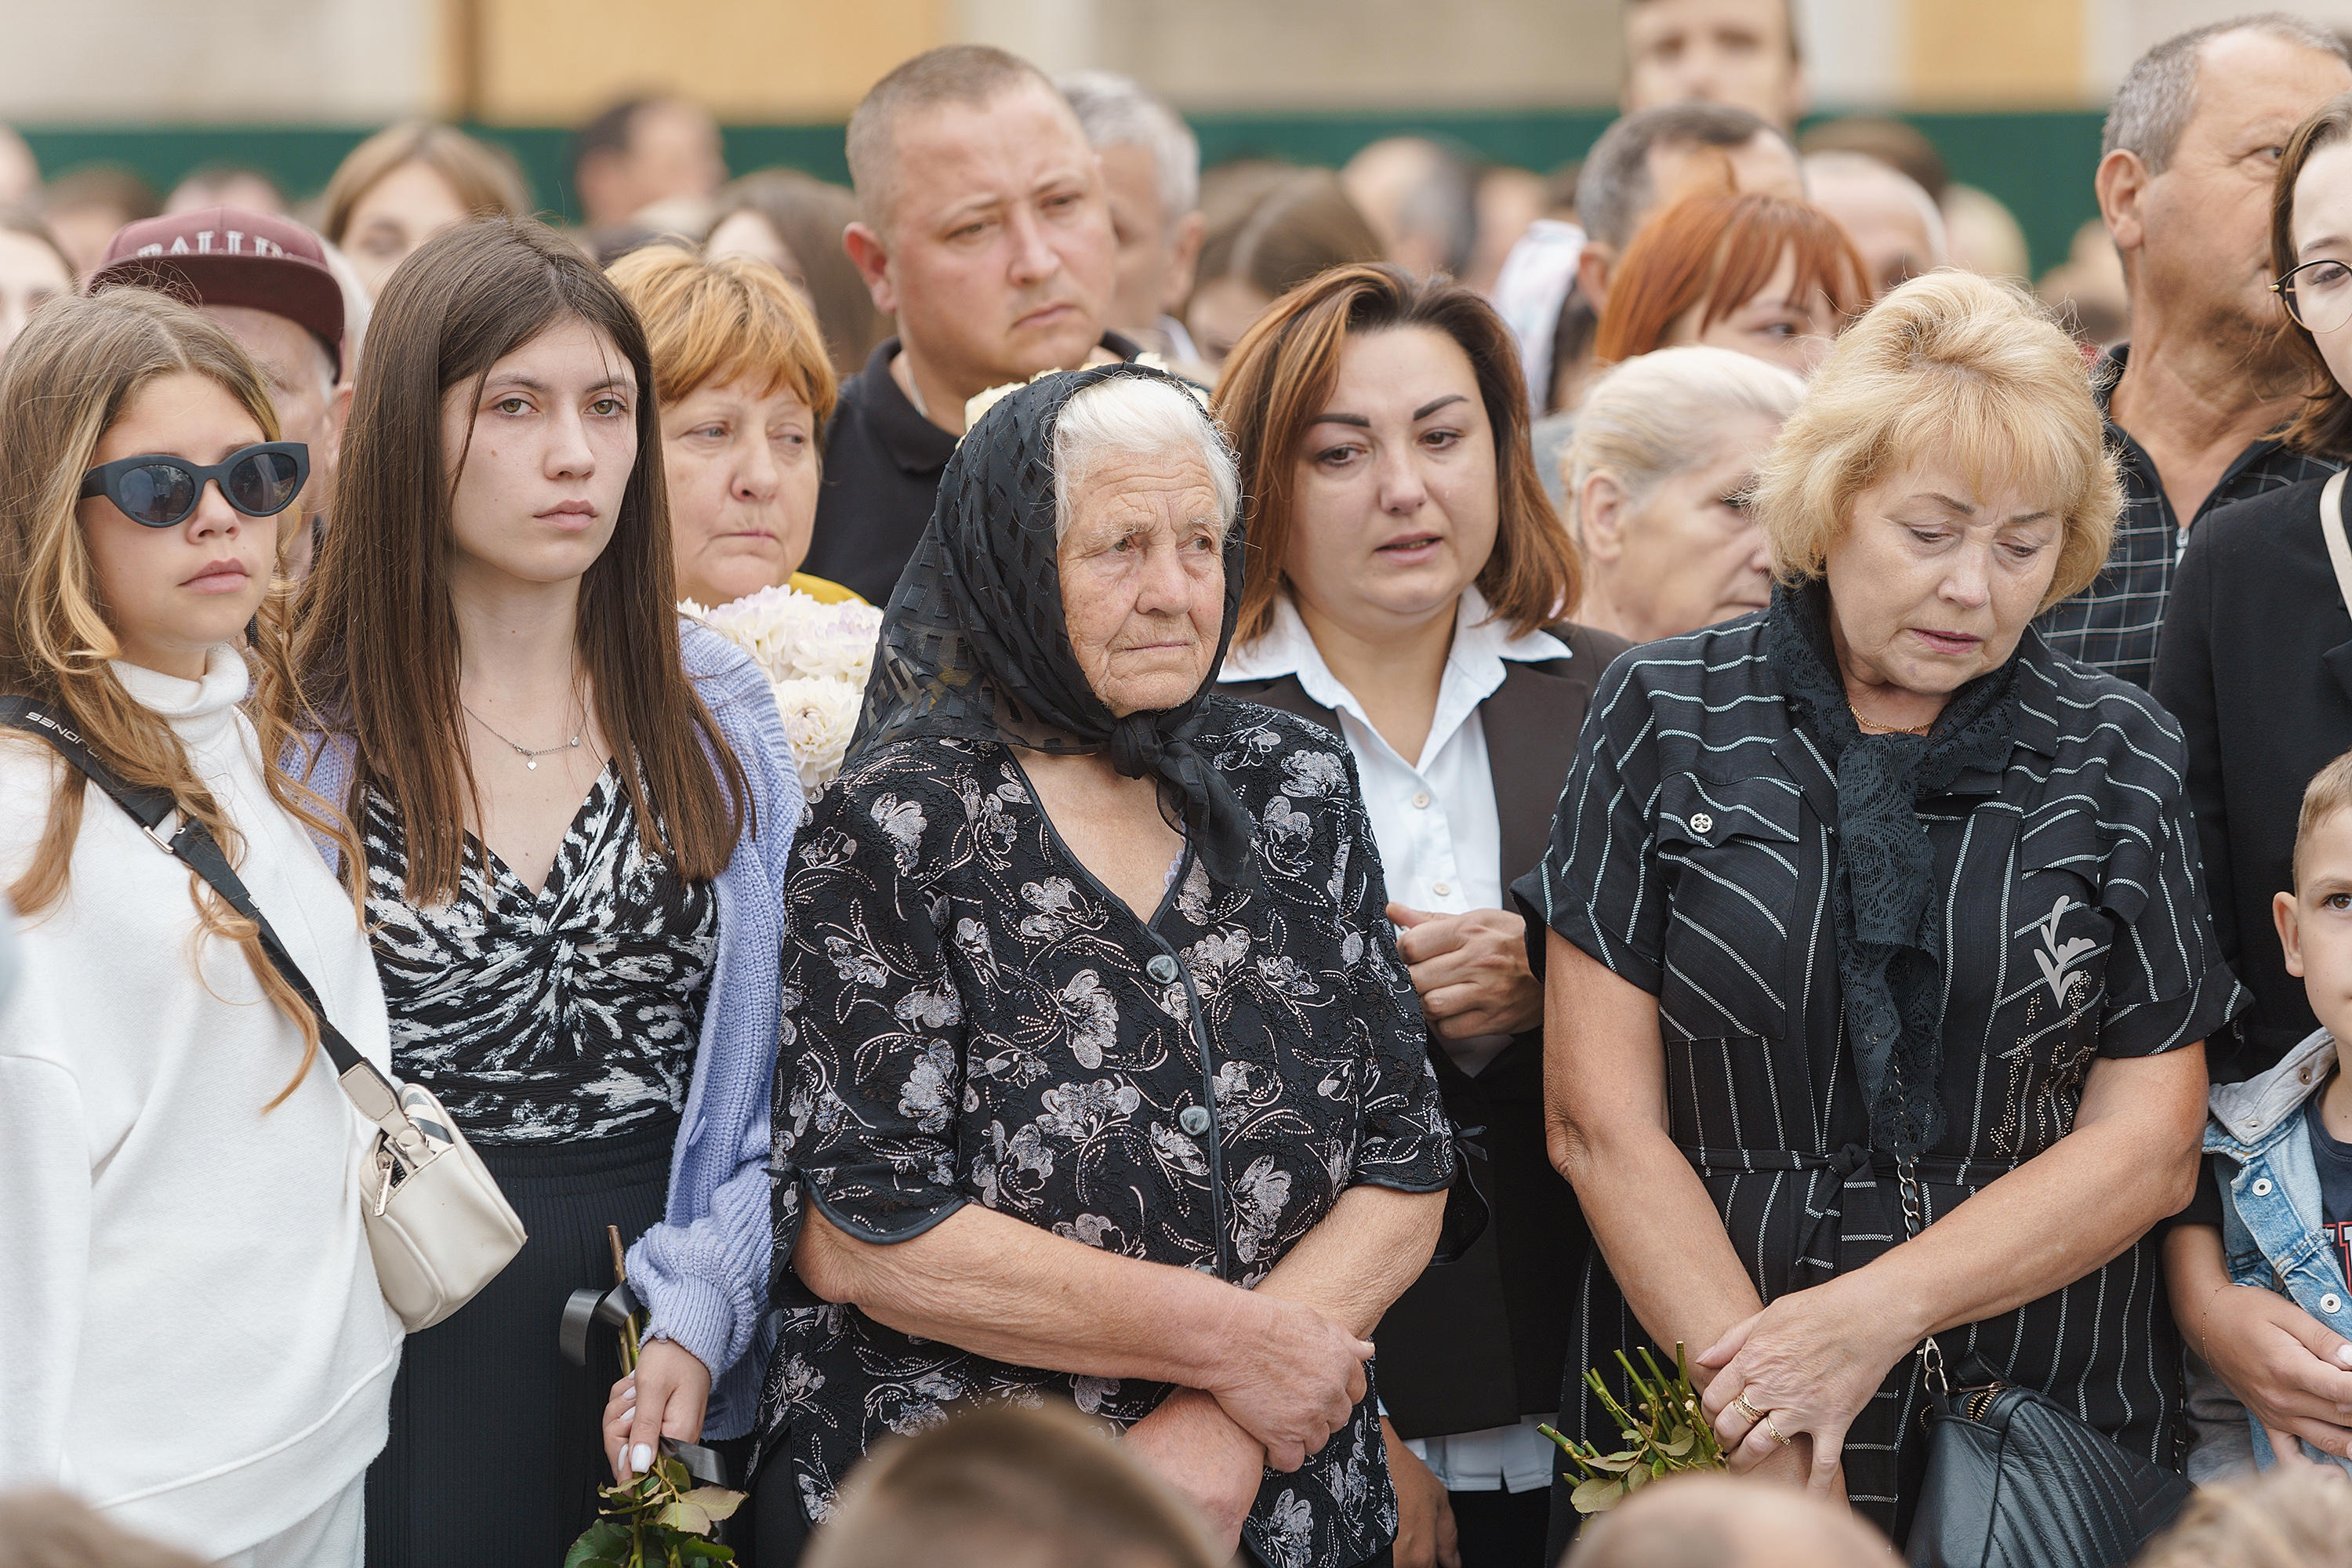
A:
<point x="882" y="466"/>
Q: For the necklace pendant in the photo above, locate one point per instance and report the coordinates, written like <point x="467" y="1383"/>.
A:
<point x="532" y="763"/>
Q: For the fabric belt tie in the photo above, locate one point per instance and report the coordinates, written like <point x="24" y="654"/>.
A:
<point x="1847" y="1222"/>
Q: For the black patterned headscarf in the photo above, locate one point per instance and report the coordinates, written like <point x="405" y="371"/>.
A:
<point x="974" y="642"/>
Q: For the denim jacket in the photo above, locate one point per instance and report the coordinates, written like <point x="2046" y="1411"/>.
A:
<point x="2271" y="1235"/>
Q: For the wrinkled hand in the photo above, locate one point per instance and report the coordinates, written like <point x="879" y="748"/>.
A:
<point x="1425" y="1534"/>
<point x="2292" y="1372"/>
<point x="1194" y="1446"/>
<point x="1470" y="970"/>
<point x="1292" y="1380"/>
<point x="665" y="1397"/>
<point x="1810" y="1361"/>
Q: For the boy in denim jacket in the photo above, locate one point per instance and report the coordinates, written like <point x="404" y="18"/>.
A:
<point x="2281" y="1142"/>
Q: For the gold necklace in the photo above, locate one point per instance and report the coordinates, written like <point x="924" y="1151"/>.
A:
<point x="1873" y="727"/>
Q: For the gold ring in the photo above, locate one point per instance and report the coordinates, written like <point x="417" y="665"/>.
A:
<point x="1747" y="1413"/>
<point x="1777" y="1436"/>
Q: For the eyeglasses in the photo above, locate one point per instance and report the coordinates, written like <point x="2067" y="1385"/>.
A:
<point x="160" y="492"/>
<point x="2317" y="294"/>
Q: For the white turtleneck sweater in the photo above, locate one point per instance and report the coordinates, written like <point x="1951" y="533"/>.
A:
<point x="191" y="1333"/>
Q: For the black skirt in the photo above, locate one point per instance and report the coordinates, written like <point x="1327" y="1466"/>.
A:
<point x="495" y="1454"/>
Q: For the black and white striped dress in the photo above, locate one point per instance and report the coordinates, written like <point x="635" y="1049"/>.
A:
<point x="1692" y="853"/>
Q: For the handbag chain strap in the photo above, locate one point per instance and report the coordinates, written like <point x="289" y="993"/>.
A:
<point x="375" y="1095"/>
<point x="1931" y="1354"/>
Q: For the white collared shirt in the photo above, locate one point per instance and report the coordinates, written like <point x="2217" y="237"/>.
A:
<point x="1441" y="842"/>
<point x="1434" y="819"/>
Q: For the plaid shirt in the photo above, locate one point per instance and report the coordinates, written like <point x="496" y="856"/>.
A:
<point x="2113" y="623"/>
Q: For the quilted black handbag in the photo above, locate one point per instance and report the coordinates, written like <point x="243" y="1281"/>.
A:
<point x="2015" y="1481"/>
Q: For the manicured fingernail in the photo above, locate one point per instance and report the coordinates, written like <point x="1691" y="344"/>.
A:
<point x="642" y="1458"/>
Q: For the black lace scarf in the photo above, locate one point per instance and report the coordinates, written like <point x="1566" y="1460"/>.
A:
<point x="1890" y="920"/>
<point x="974" y="643"/>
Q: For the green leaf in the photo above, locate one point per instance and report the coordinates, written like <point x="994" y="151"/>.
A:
<point x="1595" y="1496"/>
<point x="1681" y="1443"/>
<point x="675" y="1472"/>
<point x="716" y="1501"/>
<point x="1636" y="1479"/>
<point x="599" y="1544"/>
<point x="684" y="1516"/>
<point x="706" y="1551"/>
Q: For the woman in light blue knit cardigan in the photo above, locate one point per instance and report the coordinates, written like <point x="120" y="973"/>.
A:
<point x="576" y="813"/>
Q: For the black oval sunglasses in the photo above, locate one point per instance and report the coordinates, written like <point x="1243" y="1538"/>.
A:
<point x="159" y="492"/>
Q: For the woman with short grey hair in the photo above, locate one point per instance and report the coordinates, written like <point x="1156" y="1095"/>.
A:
<point x="1666" y="449"/>
<point x="1103" y="1079"/>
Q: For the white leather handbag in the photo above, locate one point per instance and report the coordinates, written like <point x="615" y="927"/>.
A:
<point x="439" y="1225"/>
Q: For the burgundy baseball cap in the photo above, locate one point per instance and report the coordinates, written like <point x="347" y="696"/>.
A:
<point x="232" y="256"/>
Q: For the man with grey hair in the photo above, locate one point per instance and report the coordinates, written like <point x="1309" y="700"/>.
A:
<point x="983" y="226"/>
<point x="1641" y="163"/>
<point x="1151" y="170"/>
<point x="2195" y="395"/>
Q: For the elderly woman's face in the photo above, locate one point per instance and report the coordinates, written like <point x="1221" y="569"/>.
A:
<point x="1933" y="581"/>
<point x="1687" y="555"/>
<point x="1395" y="508"/>
<point x="1143" y="579"/>
<point x="743" y="473"/>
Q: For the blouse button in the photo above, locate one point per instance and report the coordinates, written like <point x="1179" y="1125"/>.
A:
<point x="2331" y="1303"/>
<point x="2261" y="1186"/>
<point x="1440" y="889"/>
<point x="1162" y="968"/>
<point x="1193" y="1119"/>
<point x="1702" y="823"/>
<point x="1421" y="801"/>
<point x="2303" y="1073"/>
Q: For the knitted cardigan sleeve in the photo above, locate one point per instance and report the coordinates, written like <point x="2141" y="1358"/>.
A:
<point x="703" y="1272"/>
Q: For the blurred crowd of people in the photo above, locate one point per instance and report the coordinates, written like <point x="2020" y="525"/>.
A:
<point x="1421" y="710"/>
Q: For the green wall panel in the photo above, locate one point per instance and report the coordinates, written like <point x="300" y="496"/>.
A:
<point x="2039" y="163"/>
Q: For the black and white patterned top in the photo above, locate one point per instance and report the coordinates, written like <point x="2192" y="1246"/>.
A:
<point x="1692" y="853"/>
<point x="970" y="1018"/>
<point x="567" y="1014"/>
<point x="2114" y="624"/>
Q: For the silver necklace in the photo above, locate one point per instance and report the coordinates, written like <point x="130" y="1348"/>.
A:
<point x="529" y="758"/>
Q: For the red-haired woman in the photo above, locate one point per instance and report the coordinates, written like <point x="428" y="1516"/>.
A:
<point x="1774" y="278"/>
<point x="1406" y="583"/>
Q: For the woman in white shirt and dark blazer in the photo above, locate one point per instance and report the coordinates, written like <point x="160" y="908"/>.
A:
<point x="1406" y="575"/>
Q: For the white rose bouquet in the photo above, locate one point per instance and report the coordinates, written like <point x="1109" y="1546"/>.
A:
<point x="816" y="656"/>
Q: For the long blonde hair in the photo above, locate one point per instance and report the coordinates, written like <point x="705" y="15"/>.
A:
<point x="65" y="381"/>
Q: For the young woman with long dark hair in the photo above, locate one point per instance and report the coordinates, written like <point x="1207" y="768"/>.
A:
<point x="196" y="1341"/>
<point x="574" y="814"/>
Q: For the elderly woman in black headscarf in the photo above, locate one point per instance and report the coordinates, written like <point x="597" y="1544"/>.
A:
<point x="1101" y="1079"/>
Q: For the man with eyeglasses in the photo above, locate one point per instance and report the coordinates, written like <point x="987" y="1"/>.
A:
<point x="2195" y="397"/>
<point x="265" y="279"/>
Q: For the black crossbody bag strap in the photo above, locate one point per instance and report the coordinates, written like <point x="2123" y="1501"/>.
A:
<point x="193" y="843"/>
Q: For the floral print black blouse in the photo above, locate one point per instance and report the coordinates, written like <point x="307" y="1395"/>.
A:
<point x="970" y="1017"/>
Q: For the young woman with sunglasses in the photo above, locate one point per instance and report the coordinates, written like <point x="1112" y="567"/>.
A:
<point x="193" y="1335"/>
<point x="574" y="812"/>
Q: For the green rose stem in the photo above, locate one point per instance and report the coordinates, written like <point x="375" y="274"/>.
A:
<point x="660" y="1519"/>
<point x="1672" y="1434"/>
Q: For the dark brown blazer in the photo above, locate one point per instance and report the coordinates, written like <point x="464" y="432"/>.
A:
<point x="1481" y="1341"/>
